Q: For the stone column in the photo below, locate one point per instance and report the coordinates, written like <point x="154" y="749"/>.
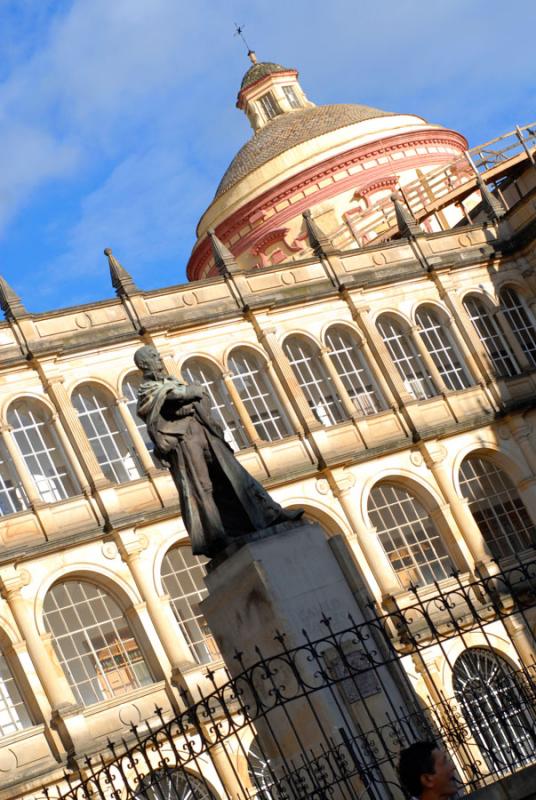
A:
<point x="283" y="397"/>
<point x="131" y="546"/>
<point x="241" y="409"/>
<point x="429" y="364"/>
<point x="345" y="399"/>
<point x="21" y="469"/>
<point x="522" y="433"/>
<point x="465" y="354"/>
<point x="269" y="341"/>
<point x="70" y="454"/>
<point x="69" y="417"/>
<point x="135" y="436"/>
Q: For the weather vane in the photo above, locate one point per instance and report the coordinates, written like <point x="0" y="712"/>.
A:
<point x="239" y="31"/>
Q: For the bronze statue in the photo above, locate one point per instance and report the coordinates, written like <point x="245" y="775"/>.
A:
<point x="219" y="499"/>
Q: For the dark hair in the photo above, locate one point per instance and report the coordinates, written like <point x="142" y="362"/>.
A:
<point x="416" y="760"/>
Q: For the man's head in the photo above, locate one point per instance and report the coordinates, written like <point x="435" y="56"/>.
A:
<point x="148" y="360"/>
<point x="427" y="771"/>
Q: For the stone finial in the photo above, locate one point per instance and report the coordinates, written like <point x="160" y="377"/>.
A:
<point x="407" y="224"/>
<point x="223" y="258"/>
<point x="10" y="302"/>
<point x="316" y="236"/>
<point x="492" y="205"/>
<point x="121" y="280"/>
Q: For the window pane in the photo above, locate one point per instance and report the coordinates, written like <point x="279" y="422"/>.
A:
<point x="104" y="430"/>
<point x="439" y="343"/>
<point x="96" y="648"/>
<point x="258" y="395"/>
<point x="520" y="320"/>
<point x="13" y="714"/>
<point x="292" y="97"/>
<point x="269" y="105"/>
<point x="497" y="507"/>
<point x="406" y="359"/>
<point x="408" y="536"/>
<point x="314" y="380"/>
<point x="352" y="369"/>
<point x="198" y="371"/>
<point x="182" y="577"/>
<point x="43" y="455"/>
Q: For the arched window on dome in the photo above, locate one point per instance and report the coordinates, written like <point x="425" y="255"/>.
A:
<point x="131" y="384"/>
<point x="496" y="506"/>
<point x="521" y="320"/>
<point x="39" y="444"/>
<point x="353" y="370"/>
<point x="106" y="433"/>
<point x="435" y="331"/>
<point x="495" y="705"/>
<point x="406" y="358"/>
<point x="200" y="370"/>
<point x="314" y="380"/>
<point x="492" y="337"/>
<point x="182" y="578"/>
<point x="14" y="715"/>
<point x="258" y="394"/>
<point x="408" y="535"/>
<point x="93" y="641"/>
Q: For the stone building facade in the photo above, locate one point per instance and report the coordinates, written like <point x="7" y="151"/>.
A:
<point x="383" y="382"/>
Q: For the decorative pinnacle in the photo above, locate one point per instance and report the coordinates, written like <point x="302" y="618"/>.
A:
<point x="317" y="238"/>
<point x="223" y="258"/>
<point x="405" y="220"/>
<point x="10" y="302"/>
<point x="121" y="280"/>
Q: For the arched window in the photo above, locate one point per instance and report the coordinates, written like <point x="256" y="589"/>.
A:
<point x="408" y="535"/>
<point x="182" y="578"/>
<point x="314" y="380"/>
<point x="13" y="714"/>
<point x="434" y="330"/>
<point x="496" y="506"/>
<point x="406" y="358"/>
<point x="93" y="641"/>
<point x="492" y="337"/>
<point x="12" y="495"/>
<point x="260" y="399"/>
<point x="499" y="712"/>
<point x="197" y="370"/>
<point x="167" y="783"/>
<point x="105" y="431"/>
<point x="35" y="436"/>
<point x="130" y="387"/>
<point x="353" y="370"/>
<point x="520" y="319"/>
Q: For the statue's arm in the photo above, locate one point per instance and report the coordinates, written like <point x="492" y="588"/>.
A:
<point x="186" y="393"/>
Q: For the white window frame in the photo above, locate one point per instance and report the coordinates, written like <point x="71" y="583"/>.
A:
<point x="491" y="337"/>
<point x="406" y="358"/>
<point x="269" y="106"/>
<point x="521" y="321"/>
<point x="313" y="379"/>
<point x="353" y="370"/>
<point x="14" y="715"/>
<point x="291" y="97"/>
<point x="441" y="346"/>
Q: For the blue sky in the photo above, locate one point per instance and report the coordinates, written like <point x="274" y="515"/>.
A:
<point x="117" y="119"/>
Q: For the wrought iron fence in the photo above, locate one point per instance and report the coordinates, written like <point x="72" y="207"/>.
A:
<point x="327" y="719"/>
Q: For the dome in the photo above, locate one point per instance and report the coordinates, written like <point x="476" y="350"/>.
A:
<point x="261" y="70"/>
<point x="291" y="129"/>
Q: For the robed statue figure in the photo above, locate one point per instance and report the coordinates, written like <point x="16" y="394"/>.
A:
<point x="219" y="499"/>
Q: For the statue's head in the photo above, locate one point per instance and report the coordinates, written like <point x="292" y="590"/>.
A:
<point x="148" y="359"/>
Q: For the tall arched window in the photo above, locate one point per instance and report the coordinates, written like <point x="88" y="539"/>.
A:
<point x="106" y="433"/>
<point x="406" y="358"/>
<point x="198" y="370"/>
<point x="520" y="319"/>
<point x="496" y="506"/>
<point x="492" y="337"/>
<point x="498" y="711"/>
<point x="41" y="449"/>
<point x="13" y="714"/>
<point x="93" y="641"/>
<point x="182" y="578"/>
<point x="258" y="394"/>
<point x="314" y="380"/>
<point x="353" y="369"/>
<point x="12" y="495"/>
<point x="434" y="329"/>
<point x="408" y="535"/>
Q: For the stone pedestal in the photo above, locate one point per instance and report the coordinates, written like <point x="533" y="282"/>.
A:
<point x="303" y="710"/>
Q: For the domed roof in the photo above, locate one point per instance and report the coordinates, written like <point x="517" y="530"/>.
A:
<point x="289" y="130"/>
<point x="261" y="70"/>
